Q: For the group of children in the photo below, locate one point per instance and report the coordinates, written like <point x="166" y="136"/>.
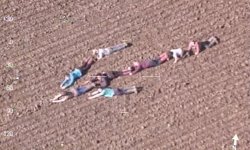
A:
<point x="102" y="80"/>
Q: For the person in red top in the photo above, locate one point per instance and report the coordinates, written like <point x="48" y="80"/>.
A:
<point x="197" y="47"/>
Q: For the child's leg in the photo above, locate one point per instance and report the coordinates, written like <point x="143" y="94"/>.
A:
<point x="56" y="97"/>
<point x="118" y="47"/>
<point x="86" y="64"/>
<point x="125" y="72"/>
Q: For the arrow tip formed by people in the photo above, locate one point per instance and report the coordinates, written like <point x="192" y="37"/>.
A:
<point x="235" y="139"/>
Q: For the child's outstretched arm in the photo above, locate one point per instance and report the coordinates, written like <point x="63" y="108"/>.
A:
<point x="96" y="92"/>
<point x="95" y="96"/>
<point x="57" y="99"/>
<point x="60" y="100"/>
<point x="176" y="59"/>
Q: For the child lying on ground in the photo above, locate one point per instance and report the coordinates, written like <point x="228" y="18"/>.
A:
<point x="110" y="92"/>
<point x="197" y="47"/>
<point x="72" y="92"/>
<point x="77" y="73"/>
<point x="103" y="52"/>
<point x="139" y="66"/>
<point x="103" y="79"/>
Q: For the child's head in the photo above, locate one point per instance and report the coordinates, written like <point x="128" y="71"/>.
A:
<point x="95" y="51"/>
<point x="170" y="55"/>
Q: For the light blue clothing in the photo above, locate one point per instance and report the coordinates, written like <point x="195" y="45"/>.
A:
<point x="108" y="92"/>
<point x="76" y="73"/>
<point x="73" y="76"/>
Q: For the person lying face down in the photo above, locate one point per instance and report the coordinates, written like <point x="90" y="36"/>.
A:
<point x="144" y="64"/>
<point x="72" y="92"/>
<point x="77" y="73"/>
<point x="104" y="79"/>
<point x="197" y="47"/>
<point x="178" y="54"/>
<point x="103" y="52"/>
<point x="139" y="66"/>
<point x="110" y="92"/>
<point x="100" y="80"/>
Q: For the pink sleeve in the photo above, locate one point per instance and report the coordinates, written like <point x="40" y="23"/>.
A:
<point x="191" y="45"/>
<point x="197" y="48"/>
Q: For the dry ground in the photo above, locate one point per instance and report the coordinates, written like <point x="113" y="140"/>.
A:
<point x="200" y="103"/>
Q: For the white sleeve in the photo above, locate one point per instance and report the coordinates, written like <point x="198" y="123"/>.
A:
<point x="180" y="52"/>
<point x="100" y="53"/>
<point x="174" y="53"/>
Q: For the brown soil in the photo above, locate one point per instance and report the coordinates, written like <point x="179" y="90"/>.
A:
<point x="199" y="103"/>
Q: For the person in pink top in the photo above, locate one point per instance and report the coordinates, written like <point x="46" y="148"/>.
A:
<point x="196" y="47"/>
<point x="144" y="64"/>
<point x="175" y="54"/>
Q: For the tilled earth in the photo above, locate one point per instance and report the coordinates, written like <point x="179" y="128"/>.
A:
<point x="200" y="103"/>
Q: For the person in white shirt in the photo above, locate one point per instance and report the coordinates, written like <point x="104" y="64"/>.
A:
<point x="102" y="52"/>
<point x="178" y="53"/>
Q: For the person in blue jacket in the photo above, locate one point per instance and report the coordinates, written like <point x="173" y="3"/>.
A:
<point x="77" y="73"/>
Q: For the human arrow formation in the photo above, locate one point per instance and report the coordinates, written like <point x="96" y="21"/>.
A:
<point x="102" y="80"/>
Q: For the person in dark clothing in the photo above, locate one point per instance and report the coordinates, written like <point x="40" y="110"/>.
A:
<point x="197" y="47"/>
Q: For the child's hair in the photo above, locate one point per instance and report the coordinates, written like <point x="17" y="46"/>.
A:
<point x="170" y="54"/>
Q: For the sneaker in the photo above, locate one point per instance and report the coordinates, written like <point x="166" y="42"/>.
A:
<point x="125" y="44"/>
